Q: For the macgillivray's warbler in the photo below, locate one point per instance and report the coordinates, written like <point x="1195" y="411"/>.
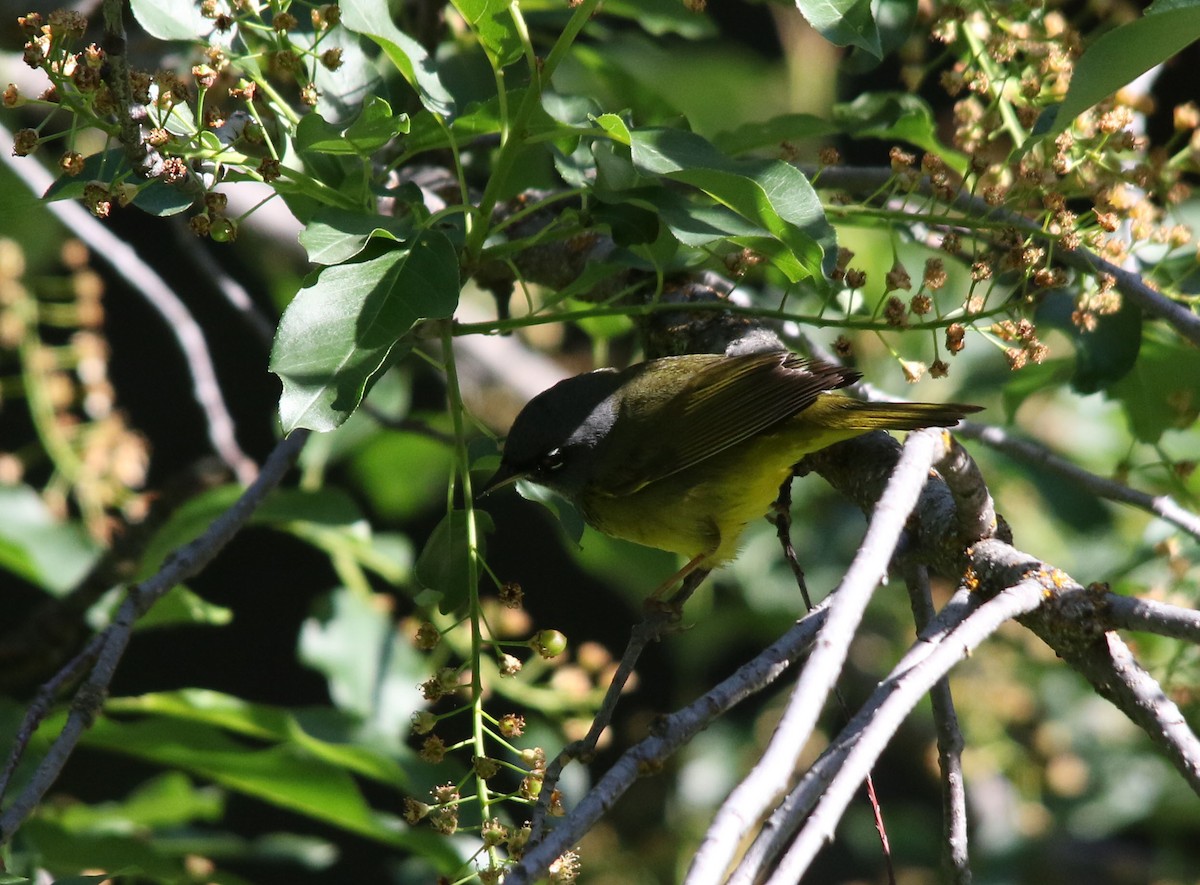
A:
<point x="681" y="452"/>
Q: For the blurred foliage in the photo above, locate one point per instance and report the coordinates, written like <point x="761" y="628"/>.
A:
<point x="366" y="686"/>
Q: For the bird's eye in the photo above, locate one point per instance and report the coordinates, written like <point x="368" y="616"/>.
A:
<point x="552" y="461"/>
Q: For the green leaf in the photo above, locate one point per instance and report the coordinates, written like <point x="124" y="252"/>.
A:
<point x="283" y="774"/>
<point x="39" y="548"/>
<point x="493" y="23"/>
<point x="162" y="199"/>
<point x="263" y="723"/>
<point x="283" y="507"/>
<point x="844" y="23"/>
<point x="771" y="194"/>
<point x="660" y="18"/>
<point x="1037" y="378"/>
<point x="182" y="606"/>
<point x="337" y="333"/>
<point x="1163" y="389"/>
<point x="696" y="223"/>
<point x="427" y="464"/>
<point x="104" y="167"/>
<point x="342" y="93"/>
<point x="773" y="133"/>
<point x="371" y="669"/>
<point x="444" y="563"/>
<point x="168" y="800"/>
<point x="372" y="19"/>
<point x="171" y="19"/>
<point x="374" y="127"/>
<point x="567" y="514"/>
<point x="1103" y="355"/>
<point x="1124" y="54"/>
<point x="337" y="235"/>
<point x="895" y="115"/>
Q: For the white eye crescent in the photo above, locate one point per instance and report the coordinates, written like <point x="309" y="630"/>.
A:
<point x="552" y="461"/>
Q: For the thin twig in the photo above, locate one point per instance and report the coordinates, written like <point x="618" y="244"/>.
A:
<point x="142" y="278"/>
<point x="179" y="566"/>
<point x="43" y="701"/>
<point x="645" y="631"/>
<point x="673" y="732"/>
<point x="782" y="518"/>
<point x="758" y="791"/>
<point x="870" y="180"/>
<point x="823" y="793"/>
<point x="1162" y="506"/>
<point x="1149" y="616"/>
<point x="955" y="855"/>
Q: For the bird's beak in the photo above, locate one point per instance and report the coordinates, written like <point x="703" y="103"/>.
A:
<point x="505" y="476"/>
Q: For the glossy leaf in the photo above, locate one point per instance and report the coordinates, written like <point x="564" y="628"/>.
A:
<point x="260" y="722"/>
<point x="340" y="329"/>
<point x="370" y="667"/>
<point x="283" y="774"/>
<point x="52" y="554"/>
<point x="844" y="23"/>
<point x="171" y="19"/>
<point x="371" y="130"/>
<point x="337" y="235"/>
<point x="444" y="564"/>
<point x="771" y="194"/>
<point x="1124" y="54"/>
<point x="104" y="166"/>
<point x="493" y="23"/>
<point x="895" y="115"/>
<point x="372" y="19"/>
<point x="162" y="199"/>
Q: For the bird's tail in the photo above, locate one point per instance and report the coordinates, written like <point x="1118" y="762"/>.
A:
<point x="852" y="414"/>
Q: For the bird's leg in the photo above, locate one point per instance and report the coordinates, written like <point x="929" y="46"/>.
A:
<point x="781" y="517"/>
<point x="688" y="577"/>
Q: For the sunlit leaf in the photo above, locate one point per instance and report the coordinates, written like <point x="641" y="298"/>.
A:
<point x="372" y="19"/>
<point x="45" y="551"/>
<point x="374" y="127"/>
<point x="171" y="19"/>
<point x="372" y="670"/>
<point x="261" y="722"/>
<point x="494" y="24"/>
<point x="1124" y="54"/>
<point x="336" y="235"/>
<point x="339" y="330"/>
<point x="844" y="23"/>
<point x="773" y="195"/>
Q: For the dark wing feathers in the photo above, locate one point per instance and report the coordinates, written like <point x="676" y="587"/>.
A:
<point x="727" y="402"/>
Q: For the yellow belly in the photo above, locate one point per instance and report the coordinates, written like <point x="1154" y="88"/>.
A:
<point x="702" y="510"/>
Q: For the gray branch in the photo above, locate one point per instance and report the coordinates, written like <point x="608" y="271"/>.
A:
<point x="177" y="567"/>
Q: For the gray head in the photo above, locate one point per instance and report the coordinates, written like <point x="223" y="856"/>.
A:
<point x="555" y="437"/>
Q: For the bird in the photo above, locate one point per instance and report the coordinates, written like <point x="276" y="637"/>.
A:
<point x="681" y="453"/>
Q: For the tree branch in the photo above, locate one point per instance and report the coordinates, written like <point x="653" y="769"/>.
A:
<point x="758" y="790"/>
<point x="1162" y="506"/>
<point x="177" y="567"/>
<point x="674" y="732"/>
<point x="955" y="855"/>
<point x="871" y="180"/>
